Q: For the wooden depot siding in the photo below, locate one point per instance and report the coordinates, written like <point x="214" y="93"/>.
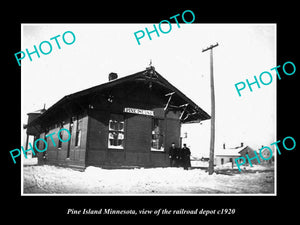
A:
<point x="137" y="143"/>
<point x="97" y="137"/>
<point x="58" y="156"/>
<point x="78" y="153"/>
<point x="138" y="139"/>
<point x="40" y="154"/>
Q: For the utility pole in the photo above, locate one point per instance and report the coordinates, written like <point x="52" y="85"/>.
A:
<point x="212" y="128"/>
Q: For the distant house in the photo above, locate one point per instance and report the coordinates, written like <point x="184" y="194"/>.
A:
<point x="224" y="156"/>
<point x="228" y="155"/>
<point x="265" y="154"/>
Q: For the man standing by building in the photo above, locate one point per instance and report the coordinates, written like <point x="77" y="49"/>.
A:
<point x="174" y="155"/>
<point x="185" y="154"/>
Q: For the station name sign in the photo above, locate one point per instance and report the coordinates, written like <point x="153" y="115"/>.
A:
<point x="139" y="111"/>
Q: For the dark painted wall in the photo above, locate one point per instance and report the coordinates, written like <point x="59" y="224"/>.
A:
<point x="58" y="155"/>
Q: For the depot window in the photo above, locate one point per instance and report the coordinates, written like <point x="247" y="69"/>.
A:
<point x="78" y="131"/>
<point x="116" y="131"/>
<point x="60" y="138"/>
<point x="157" y="142"/>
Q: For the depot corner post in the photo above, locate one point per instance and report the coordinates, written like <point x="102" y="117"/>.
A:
<point x="126" y="122"/>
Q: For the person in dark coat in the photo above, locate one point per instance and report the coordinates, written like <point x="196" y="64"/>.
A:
<point x="173" y="155"/>
<point x="185" y="159"/>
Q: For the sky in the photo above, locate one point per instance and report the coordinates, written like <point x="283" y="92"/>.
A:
<point x="244" y="51"/>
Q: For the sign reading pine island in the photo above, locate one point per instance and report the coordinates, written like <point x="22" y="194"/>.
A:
<point x="139" y="111"/>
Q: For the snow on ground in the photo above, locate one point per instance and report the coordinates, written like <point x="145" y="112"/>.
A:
<point x="58" y="180"/>
<point x="30" y="161"/>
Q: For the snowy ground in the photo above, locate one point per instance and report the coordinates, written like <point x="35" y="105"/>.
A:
<point x="59" y="180"/>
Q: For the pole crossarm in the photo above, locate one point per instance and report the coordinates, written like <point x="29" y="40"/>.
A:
<point x="210" y="47"/>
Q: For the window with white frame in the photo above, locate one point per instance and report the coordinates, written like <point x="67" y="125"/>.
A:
<point x="157" y="142"/>
<point x="61" y="136"/>
<point x="77" y="122"/>
<point x="116" y="131"/>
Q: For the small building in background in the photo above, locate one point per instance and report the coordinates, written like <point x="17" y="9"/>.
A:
<point x="228" y="155"/>
<point x="266" y="154"/>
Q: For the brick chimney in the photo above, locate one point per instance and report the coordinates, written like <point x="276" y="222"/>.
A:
<point x="223" y="145"/>
<point x="112" y="76"/>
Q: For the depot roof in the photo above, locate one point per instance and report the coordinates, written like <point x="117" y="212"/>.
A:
<point x="193" y="112"/>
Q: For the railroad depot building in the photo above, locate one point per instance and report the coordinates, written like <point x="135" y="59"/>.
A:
<point x="126" y="122"/>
